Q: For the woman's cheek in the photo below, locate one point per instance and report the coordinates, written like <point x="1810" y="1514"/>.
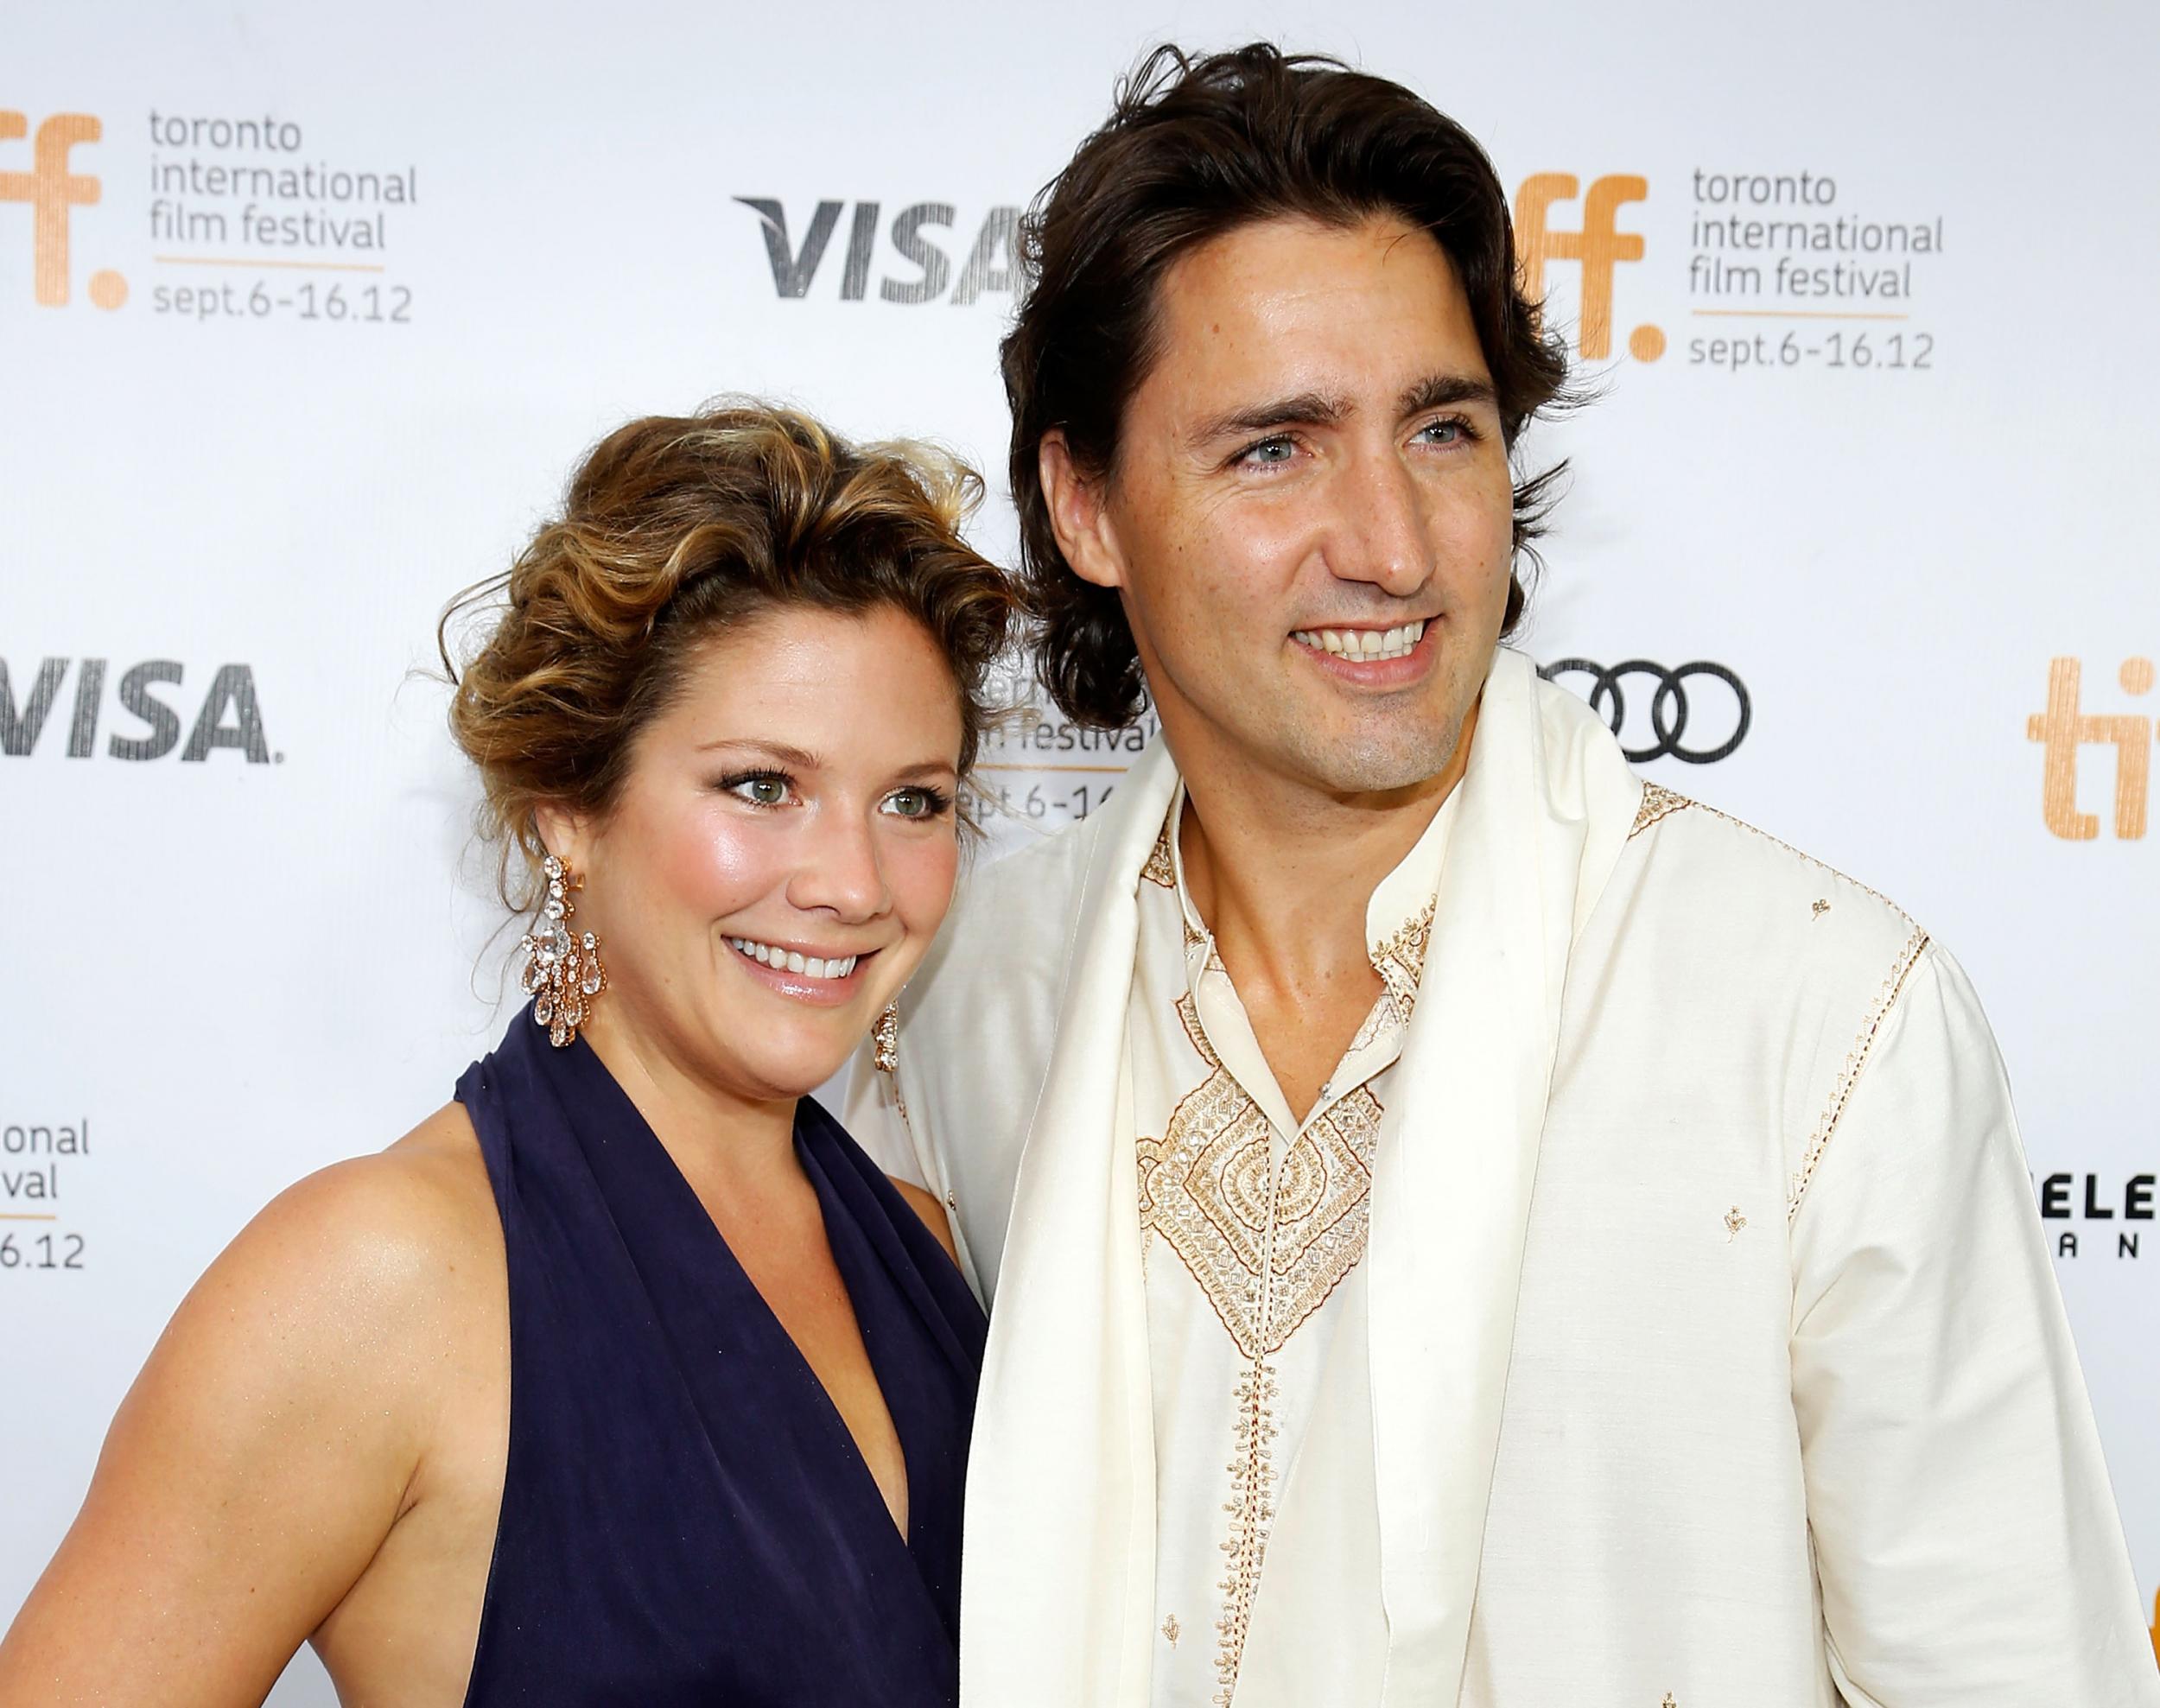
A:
<point x="722" y="861"/>
<point x="922" y="873"/>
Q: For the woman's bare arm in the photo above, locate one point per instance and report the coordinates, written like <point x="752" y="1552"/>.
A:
<point x="263" y="1453"/>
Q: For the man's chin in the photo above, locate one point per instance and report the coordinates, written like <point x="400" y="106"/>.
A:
<point x="1388" y="762"/>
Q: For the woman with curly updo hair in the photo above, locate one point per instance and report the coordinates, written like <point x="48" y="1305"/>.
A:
<point x="626" y="1377"/>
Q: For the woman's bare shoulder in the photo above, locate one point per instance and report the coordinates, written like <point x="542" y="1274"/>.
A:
<point x="391" y="1227"/>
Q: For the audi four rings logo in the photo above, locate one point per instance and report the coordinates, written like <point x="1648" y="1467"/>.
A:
<point x="1719" y="733"/>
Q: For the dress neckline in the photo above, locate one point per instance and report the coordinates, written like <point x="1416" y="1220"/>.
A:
<point x="657" y="1185"/>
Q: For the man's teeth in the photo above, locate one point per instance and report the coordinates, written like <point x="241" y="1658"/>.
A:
<point x="787" y="960"/>
<point x="1363" y="644"/>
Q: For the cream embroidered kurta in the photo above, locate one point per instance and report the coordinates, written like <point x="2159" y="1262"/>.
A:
<point x="1712" y="1352"/>
<point x="1253" y="1229"/>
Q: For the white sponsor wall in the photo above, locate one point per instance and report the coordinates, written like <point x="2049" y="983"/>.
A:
<point x="307" y="312"/>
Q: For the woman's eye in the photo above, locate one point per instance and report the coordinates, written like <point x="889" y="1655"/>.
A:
<point x="760" y="789"/>
<point x="915" y="803"/>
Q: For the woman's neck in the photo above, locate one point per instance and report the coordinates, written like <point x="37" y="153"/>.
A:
<point x="712" y="1131"/>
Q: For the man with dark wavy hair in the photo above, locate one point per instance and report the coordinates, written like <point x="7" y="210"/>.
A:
<point x="1462" y="1224"/>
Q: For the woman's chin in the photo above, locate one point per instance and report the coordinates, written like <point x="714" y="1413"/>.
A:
<point x="786" y="1061"/>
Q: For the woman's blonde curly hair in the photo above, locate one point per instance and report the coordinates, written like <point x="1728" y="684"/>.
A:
<point x="673" y="529"/>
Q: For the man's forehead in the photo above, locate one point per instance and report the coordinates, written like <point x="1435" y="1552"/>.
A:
<point x="1289" y="302"/>
<point x="1293" y="240"/>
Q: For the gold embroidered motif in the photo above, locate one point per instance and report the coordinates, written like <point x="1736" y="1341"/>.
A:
<point x="1252" y="1510"/>
<point x="1160" y="869"/>
<point x="1821" y="908"/>
<point x="1204" y="1188"/>
<point x="1658" y="801"/>
<point x="1849" y="1075"/>
<point x="1734" y="1222"/>
<point x="1400" y="959"/>
<point x="1265" y="1258"/>
<point x="1170" y="1629"/>
<point x="1378" y="1018"/>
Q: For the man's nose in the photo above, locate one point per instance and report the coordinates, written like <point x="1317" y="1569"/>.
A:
<point x="1380" y="535"/>
<point x="840" y="870"/>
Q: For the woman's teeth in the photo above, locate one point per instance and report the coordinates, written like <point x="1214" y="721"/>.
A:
<point x="1363" y="643"/>
<point x="787" y="960"/>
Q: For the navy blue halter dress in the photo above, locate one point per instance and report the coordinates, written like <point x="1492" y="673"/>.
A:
<point x="685" y="1518"/>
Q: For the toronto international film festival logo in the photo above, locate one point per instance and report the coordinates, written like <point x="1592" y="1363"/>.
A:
<point x="53" y="189"/>
<point x="1596" y="246"/>
<point x="2065" y="727"/>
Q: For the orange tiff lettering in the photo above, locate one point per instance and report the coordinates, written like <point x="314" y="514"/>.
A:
<point x="1597" y="246"/>
<point x="2065" y="727"/>
<point x="51" y="190"/>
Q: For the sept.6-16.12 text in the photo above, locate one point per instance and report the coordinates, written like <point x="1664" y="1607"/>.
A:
<point x="340" y="304"/>
<point x="1842" y="350"/>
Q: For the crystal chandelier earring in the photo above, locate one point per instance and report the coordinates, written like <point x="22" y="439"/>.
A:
<point x="563" y="970"/>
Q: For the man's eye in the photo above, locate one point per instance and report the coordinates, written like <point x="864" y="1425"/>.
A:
<point x="1269" y="453"/>
<point x="1449" y="432"/>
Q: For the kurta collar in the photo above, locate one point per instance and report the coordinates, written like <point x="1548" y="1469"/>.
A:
<point x="1398" y="917"/>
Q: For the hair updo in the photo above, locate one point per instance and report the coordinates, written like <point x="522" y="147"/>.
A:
<point x="674" y="529"/>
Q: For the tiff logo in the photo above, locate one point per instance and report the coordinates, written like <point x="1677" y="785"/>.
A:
<point x="53" y="189"/>
<point x="990" y="265"/>
<point x="2064" y="727"/>
<point x="1597" y="248"/>
<point x="230" y="715"/>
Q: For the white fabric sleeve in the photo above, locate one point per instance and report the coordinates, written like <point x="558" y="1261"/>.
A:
<point x="1966" y="1537"/>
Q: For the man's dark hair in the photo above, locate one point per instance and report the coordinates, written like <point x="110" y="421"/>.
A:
<point x="1193" y="149"/>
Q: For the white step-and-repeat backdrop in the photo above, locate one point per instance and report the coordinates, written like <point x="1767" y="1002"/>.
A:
<point x="306" y="311"/>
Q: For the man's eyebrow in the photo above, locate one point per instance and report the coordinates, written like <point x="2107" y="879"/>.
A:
<point x="1312" y="408"/>
<point x="1305" y="408"/>
<point x="1437" y="391"/>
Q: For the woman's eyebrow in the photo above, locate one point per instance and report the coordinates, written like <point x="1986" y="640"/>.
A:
<point x="798" y="757"/>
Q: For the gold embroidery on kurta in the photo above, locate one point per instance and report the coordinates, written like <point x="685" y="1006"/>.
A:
<point x="1159" y="868"/>
<point x="1657" y="802"/>
<point x="1204" y="1188"/>
<point x="1401" y="961"/>
<point x="1252" y="1510"/>
<point x="1265" y="1256"/>
<point x="1849" y="1075"/>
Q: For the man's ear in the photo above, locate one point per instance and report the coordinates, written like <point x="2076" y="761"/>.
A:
<point x="1079" y="514"/>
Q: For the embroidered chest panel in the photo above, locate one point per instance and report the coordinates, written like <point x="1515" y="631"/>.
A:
<point x="1205" y="1188"/>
